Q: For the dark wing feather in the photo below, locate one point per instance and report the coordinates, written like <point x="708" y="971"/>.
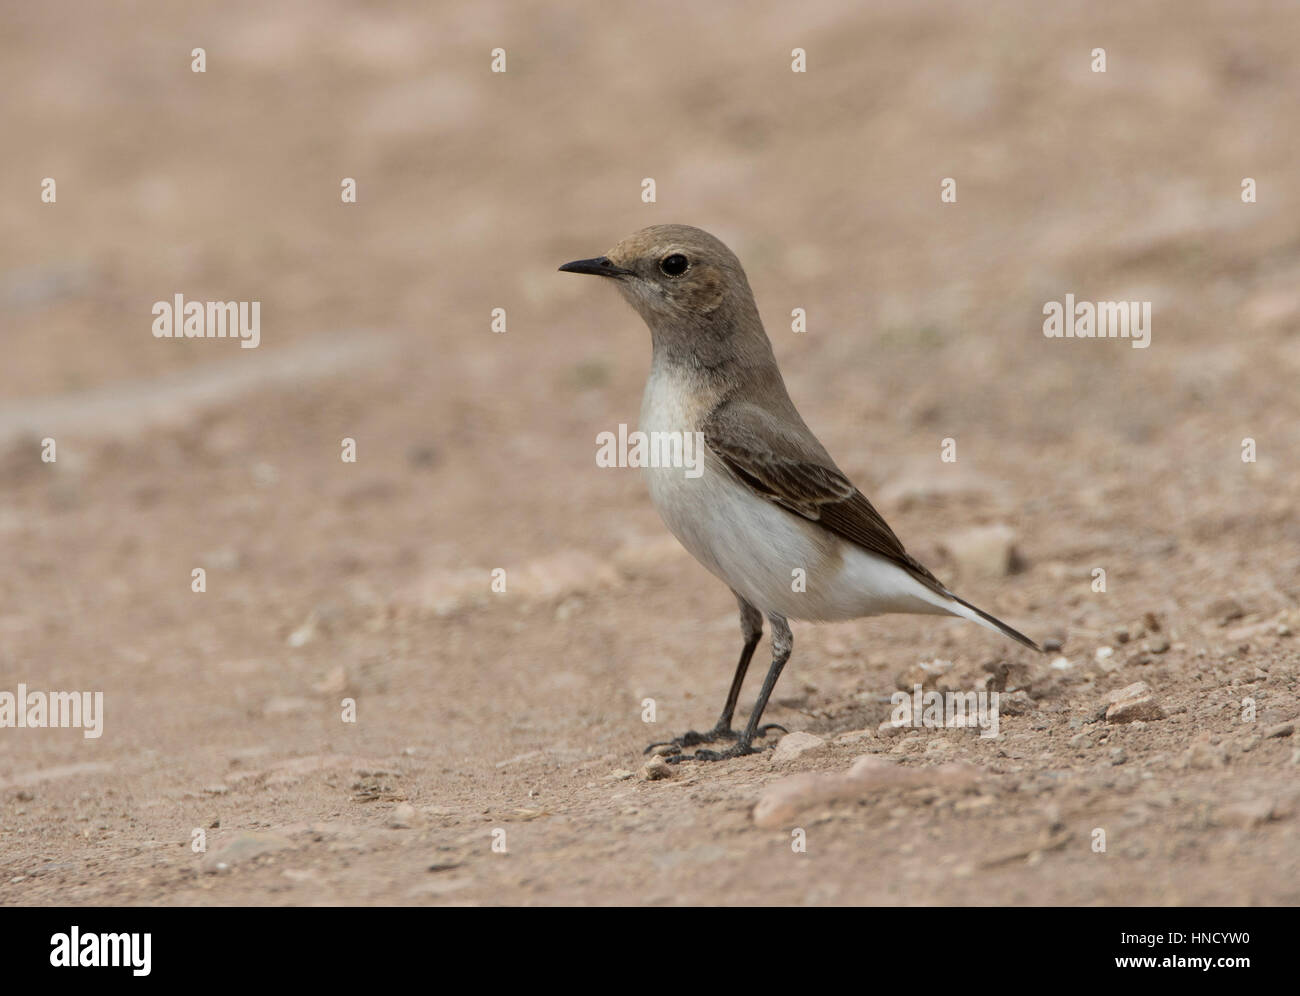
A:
<point x="783" y="461"/>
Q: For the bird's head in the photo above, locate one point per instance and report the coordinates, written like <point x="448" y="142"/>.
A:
<point x="679" y="279"/>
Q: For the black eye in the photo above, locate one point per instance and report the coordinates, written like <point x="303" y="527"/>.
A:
<point x="674" y="265"/>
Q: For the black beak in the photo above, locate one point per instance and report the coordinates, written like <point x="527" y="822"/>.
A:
<point x="600" y="266"/>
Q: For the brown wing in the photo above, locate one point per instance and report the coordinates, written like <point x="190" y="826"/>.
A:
<point x="781" y="460"/>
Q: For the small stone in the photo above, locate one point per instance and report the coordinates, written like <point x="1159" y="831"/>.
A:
<point x="1204" y="755"/>
<point x="1015" y="703"/>
<point x="403" y="816"/>
<point x="244" y="847"/>
<point x="619" y="775"/>
<point x="853" y="736"/>
<point x="1280" y="730"/>
<point x="984" y="551"/>
<point x="1135" y="701"/>
<point x="783" y="801"/>
<point x="304" y="634"/>
<point x="1225" y="610"/>
<point x="1242" y="635"/>
<point x="1248" y="743"/>
<point x="793" y="745"/>
<point x="938" y="747"/>
<point x="1061" y="664"/>
<point x="656" y="768"/>
<point x="335" y="682"/>
<point x="1118" y="755"/>
<point x="1283" y="629"/>
<point x="1052" y="645"/>
<point x="1106" y="659"/>
<point x="1247" y="814"/>
<point x="1121" y="635"/>
<point x="1157" y="646"/>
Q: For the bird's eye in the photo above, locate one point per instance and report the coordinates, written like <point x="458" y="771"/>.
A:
<point x="674" y="265"/>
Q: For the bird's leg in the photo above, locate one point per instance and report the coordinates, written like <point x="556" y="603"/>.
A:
<point x="751" y="628"/>
<point x="782" y="645"/>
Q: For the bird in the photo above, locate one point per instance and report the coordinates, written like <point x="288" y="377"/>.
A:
<point x="770" y="515"/>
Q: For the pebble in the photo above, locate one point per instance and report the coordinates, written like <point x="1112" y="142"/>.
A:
<point x="783" y="800"/>
<point x="656" y="768"/>
<point x="1135" y="701"/>
<point x="1015" y="703"/>
<point x="1247" y="814"/>
<point x="1204" y="755"/>
<point x="1226" y="610"/>
<point x="244" y="847"/>
<point x="984" y="551"/>
<point x="403" y="816"/>
<point x="1280" y="730"/>
<point x="853" y="736"/>
<point x="794" y="745"/>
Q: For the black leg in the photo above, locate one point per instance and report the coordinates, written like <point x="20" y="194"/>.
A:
<point x="751" y="628"/>
<point x="782" y="645"/>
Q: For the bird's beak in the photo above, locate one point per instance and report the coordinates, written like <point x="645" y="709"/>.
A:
<point x="600" y="266"/>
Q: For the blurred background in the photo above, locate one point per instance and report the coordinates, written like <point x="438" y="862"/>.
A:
<point x="476" y="450"/>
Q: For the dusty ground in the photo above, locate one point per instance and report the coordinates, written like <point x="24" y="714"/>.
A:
<point x="522" y="711"/>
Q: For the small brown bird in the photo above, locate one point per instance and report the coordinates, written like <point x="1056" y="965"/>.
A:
<point x="770" y="507"/>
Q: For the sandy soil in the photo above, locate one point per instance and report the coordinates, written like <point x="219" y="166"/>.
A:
<point x="522" y="711"/>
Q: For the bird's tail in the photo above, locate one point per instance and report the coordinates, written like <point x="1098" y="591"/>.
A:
<point x="968" y="611"/>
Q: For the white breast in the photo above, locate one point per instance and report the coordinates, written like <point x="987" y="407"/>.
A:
<point x="754" y="545"/>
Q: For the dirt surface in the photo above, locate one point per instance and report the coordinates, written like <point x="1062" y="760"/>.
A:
<point x="521" y="711"/>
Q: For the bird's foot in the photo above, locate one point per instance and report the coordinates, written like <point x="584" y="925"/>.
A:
<point x="692" y="738"/>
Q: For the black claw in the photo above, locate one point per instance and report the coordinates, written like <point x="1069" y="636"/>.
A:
<point x="691" y="739"/>
<point x="738" y="750"/>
